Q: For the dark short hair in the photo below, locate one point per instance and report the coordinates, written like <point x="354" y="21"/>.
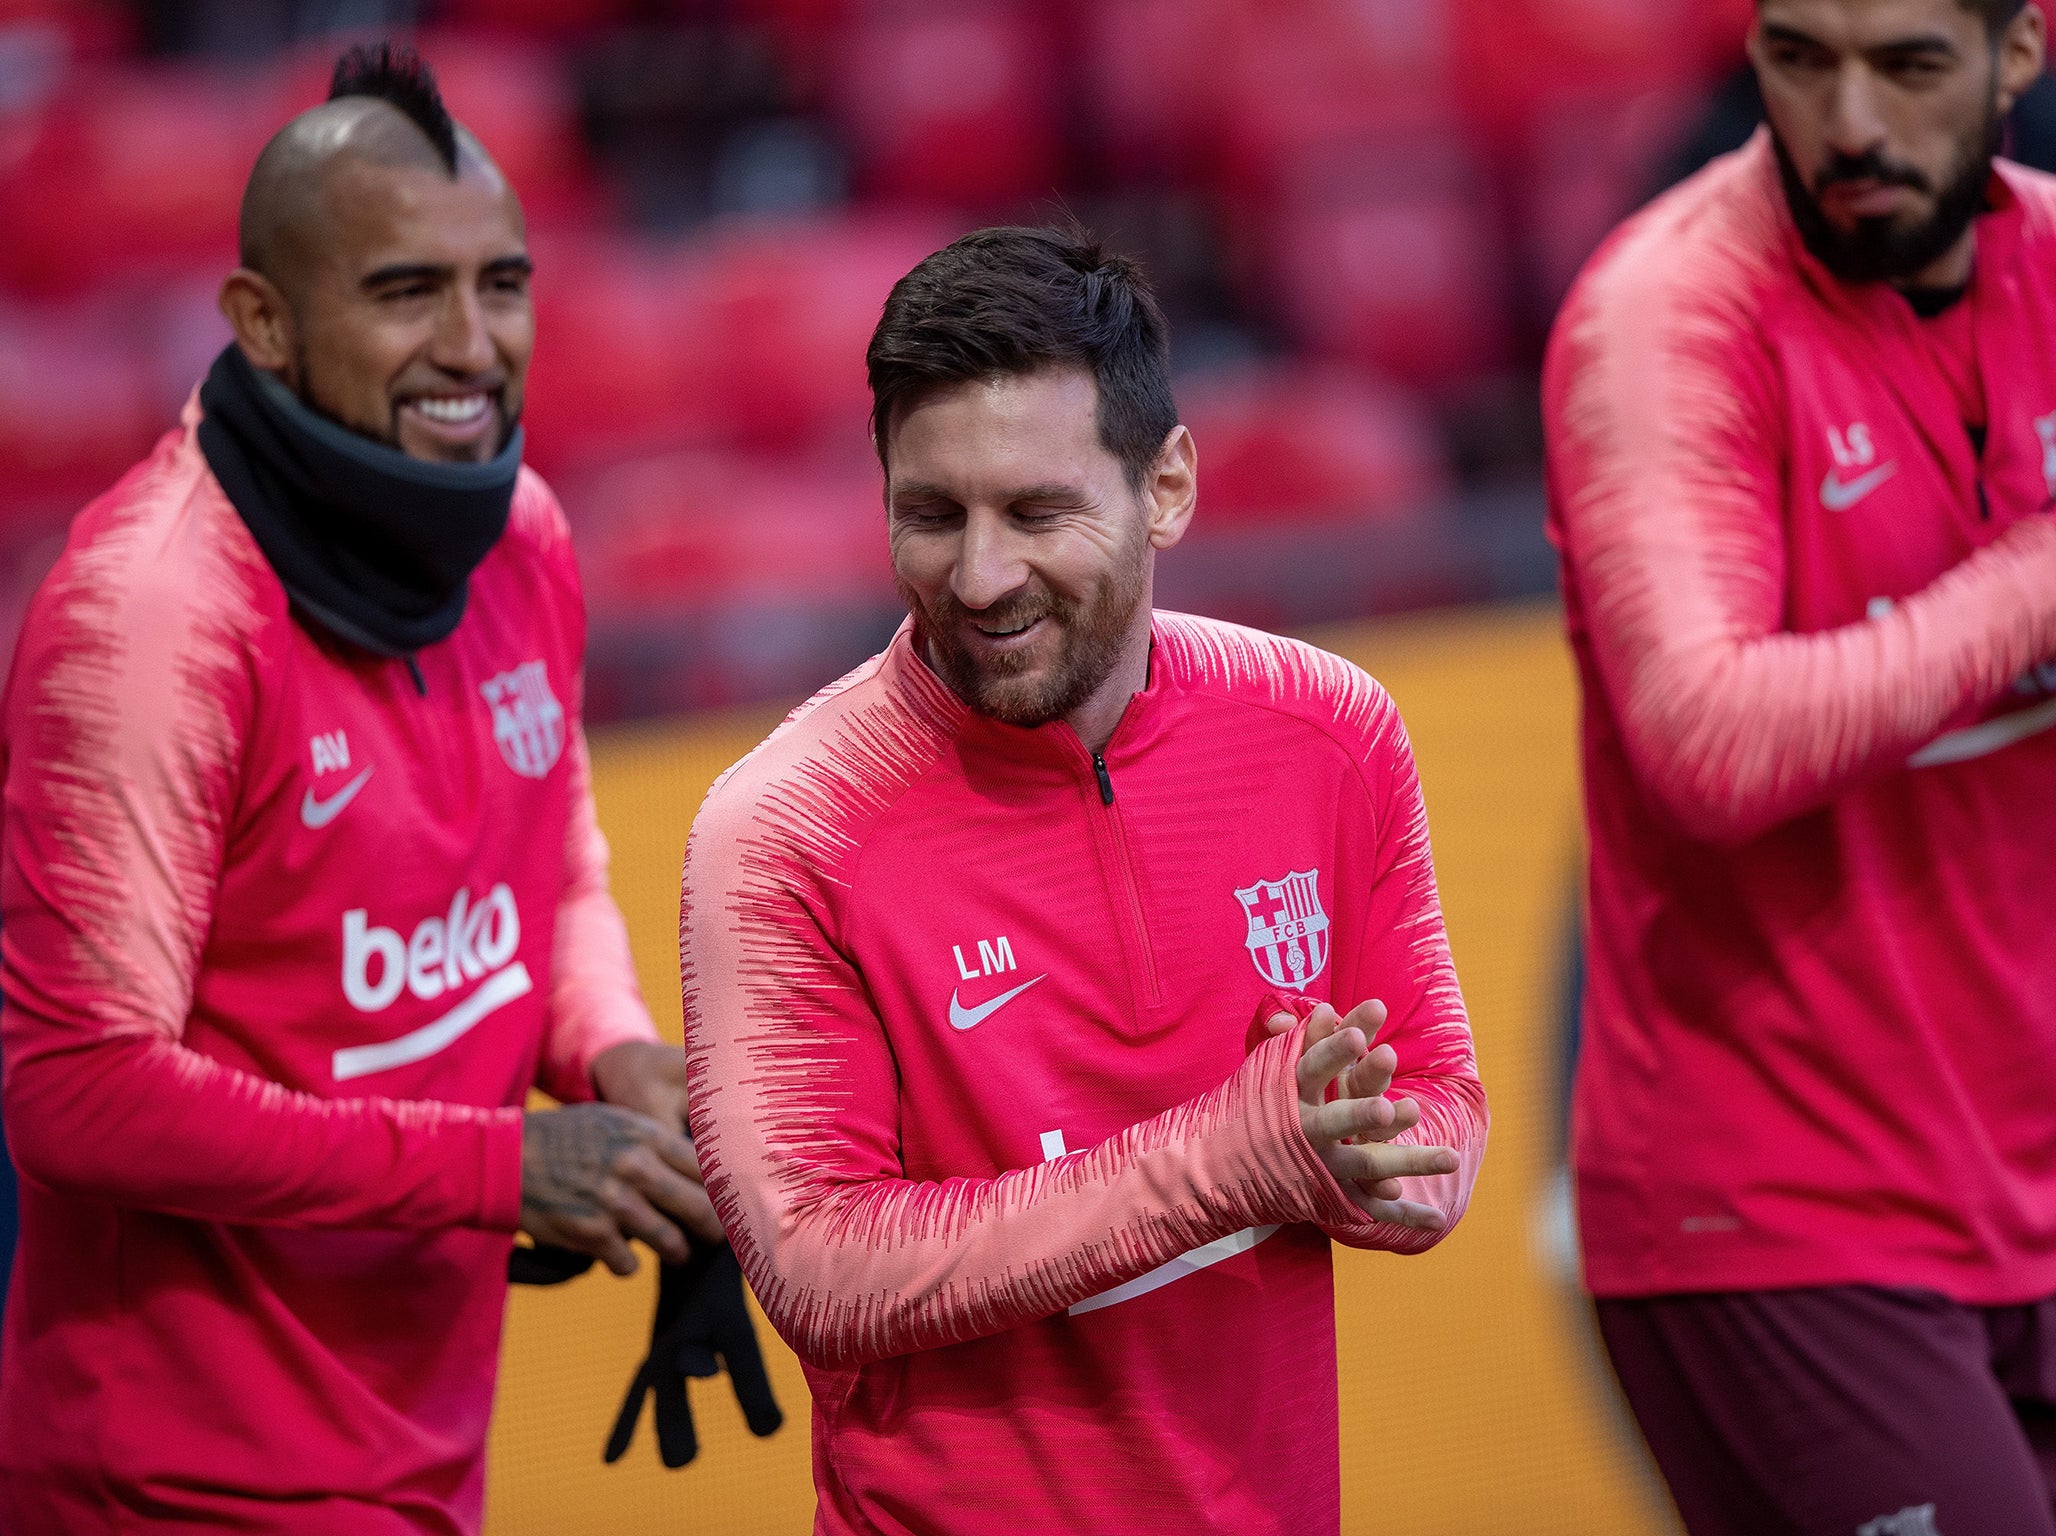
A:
<point x="398" y="75"/>
<point x="1997" y="14"/>
<point x="1017" y="300"/>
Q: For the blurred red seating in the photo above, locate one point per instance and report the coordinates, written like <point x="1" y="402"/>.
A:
<point x="753" y="334"/>
<point x="791" y="304"/>
<point x="1290" y="443"/>
<point x="131" y="170"/>
<point x="1407" y="286"/>
<point x="92" y="29"/>
<point x="950" y="103"/>
<point x="1313" y="93"/>
<point x="622" y="361"/>
<point x="1720" y="28"/>
<point x="81" y="399"/>
<point x="1152" y="70"/>
<point x="1516" y="57"/>
<point x="1582" y="167"/>
<point x="555" y="19"/>
<point x="698" y="528"/>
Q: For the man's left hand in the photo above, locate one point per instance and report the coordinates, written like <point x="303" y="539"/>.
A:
<point x="643" y="1074"/>
<point x="649" y="1076"/>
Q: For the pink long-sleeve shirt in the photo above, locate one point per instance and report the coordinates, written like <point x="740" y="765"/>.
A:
<point x="286" y="942"/>
<point x="1810" y="576"/>
<point x="970" y="1017"/>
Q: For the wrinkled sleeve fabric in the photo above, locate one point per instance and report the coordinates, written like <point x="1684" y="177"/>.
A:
<point x="130" y="700"/>
<point x="1402" y="958"/>
<point x="1665" y="439"/>
<point x="595" y="1002"/>
<point x="795" y="1112"/>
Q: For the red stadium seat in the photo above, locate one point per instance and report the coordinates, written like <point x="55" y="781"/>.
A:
<point x="1297" y="444"/>
<point x="1720" y="28"/>
<point x="790" y="307"/>
<point x="697" y="526"/>
<point x="1316" y="93"/>
<point x="753" y="334"/>
<point x="950" y="103"/>
<point x="80" y="29"/>
<point x="555" y="19"/>
<point x="1151" y="70"/>
<point x="623" y="359"/>
<point x="133" y="170"/>
<point x="1408" y="286"/>
<point x="712" y="578"/>
<point x="1583" y="166"/>
<point x="81" y="399"/>
<point x="1516" y="57"/>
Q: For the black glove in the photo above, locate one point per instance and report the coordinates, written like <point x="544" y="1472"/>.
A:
<point x="545" y="1264"/>
<point x="702" y="1323"/>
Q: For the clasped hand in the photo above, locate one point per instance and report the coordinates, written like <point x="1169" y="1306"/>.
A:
<point x="595" y="1175"/>
<point x="1354" y="1132"/>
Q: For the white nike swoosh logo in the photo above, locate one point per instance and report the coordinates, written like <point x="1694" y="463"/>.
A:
<point x="319" y="813"/>
<point x="961" y="1017"/>
<point x="1838" y="496"/>
<point x="1986" y="737"/>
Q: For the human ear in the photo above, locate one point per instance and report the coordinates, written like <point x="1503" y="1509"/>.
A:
<point x="261" y="319"/>
<point x="2021" y="50"/>
<point x="1172" y="489"/>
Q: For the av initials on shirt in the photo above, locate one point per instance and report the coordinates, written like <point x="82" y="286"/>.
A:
<point x="331" y="752"/>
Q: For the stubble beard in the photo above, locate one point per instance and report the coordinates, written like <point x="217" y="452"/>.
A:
<point x="389" y="435"/>
<point x="1008" y="688"/>
<point x="1878" y="249"/>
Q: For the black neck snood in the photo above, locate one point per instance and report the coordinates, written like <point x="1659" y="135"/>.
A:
<point x="373" y="546"/>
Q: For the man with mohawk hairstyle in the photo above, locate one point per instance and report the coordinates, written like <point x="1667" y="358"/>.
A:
<point x="303" y="891"/>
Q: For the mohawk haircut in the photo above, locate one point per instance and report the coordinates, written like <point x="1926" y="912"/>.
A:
<point x="398" y="75"/>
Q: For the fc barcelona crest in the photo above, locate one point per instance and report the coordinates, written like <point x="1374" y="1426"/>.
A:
<point x="528" y="722"/>
<point x="1288" y="931"/>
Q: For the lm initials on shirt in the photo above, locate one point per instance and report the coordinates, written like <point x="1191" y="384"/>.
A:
<point x="995" y="956"/>
<point x="474" y="941"/>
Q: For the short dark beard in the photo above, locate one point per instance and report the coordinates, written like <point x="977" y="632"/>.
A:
<point x="1876" y="250"/>
<point x="1094" y="632"/>
<point x="390" y="438"/>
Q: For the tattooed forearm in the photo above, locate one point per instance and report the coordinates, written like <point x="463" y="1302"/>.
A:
<point x="568" y="1154"/>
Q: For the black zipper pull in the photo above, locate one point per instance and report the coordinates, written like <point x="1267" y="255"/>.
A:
<point x="420" y="682"/>
<point x="1106" y="782"/>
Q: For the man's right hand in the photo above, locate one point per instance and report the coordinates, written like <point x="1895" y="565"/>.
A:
<point x="595" y="1175"/>
<point x="1352" y="1132"/>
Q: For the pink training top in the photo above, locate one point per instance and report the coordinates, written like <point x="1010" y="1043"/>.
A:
<point x="970" y="1017"/>
<point x="1814" y="619"/>
<point x="286" y="942"/>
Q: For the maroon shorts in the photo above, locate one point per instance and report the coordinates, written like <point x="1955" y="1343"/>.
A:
<point x="1844" y="1411"/>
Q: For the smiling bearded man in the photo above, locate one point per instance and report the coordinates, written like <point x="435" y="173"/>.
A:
<point x="1801" y="420"/>
<point x="304" y="891"/>
<point x="1019" y="964"/>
